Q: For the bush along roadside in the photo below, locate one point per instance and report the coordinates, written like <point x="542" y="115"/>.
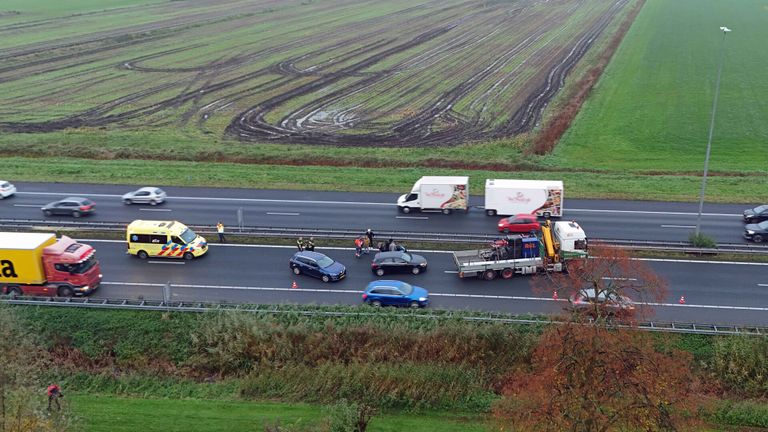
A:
<point x="385" y="359"/>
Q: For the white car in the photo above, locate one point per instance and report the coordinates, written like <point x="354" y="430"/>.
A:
<point x="6" y="189"/>
<point x="146" y="195"/>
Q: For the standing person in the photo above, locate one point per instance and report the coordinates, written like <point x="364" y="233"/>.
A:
<point x="389" y="243"/>
<point x="393" y="246"/>
<point x="310" y="244"/>
<point x="369" y="235"/>
<point x="300" y="244"/>
<point x="358" y="247"/>
<point x="220" y="230"/>
<point x="54" y="393"/>
<point x="382" y="247"/>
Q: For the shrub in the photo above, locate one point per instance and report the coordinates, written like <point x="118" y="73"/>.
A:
<point x="702" y="240"/>
<point x="747" y="413"/>
<point x="742" y="363"/>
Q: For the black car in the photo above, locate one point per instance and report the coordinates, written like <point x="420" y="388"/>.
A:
<point x="757" y="214"/>
<point x="758" y="233"/>
<point x="317" y="265"/>
<point x="72" y="206"/>
<point x="398" y="262"/>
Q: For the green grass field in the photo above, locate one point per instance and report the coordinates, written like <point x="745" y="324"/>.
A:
<point x="118" y="414"/>
<point x="651" y="109"/>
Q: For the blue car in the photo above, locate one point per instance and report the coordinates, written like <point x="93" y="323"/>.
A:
<point x="395" y="293"/>
<point x="317" y="265"/>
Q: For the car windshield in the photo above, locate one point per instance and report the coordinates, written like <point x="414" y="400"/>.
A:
<point x="188" y="236"/>
<point x="760" y="209"/>
<point x="406" y="257"/>
<point x="406" y="289"/>
<point x="84" y="266"/>
<point x="324" y="262"/>
<point x="763" y="225"/>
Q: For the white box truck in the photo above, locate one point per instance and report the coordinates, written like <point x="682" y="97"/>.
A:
<point x="511" y="197"/>
<point x="437" y="193"/>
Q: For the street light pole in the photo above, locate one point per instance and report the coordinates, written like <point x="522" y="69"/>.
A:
<point x="725" y="31"/>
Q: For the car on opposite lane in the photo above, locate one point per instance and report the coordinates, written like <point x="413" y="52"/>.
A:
<point x="72" y="206"/>
<point x="395" y="293"/>
<point x="398" y="262"/>
<point x="317" y="265"/>
<point x="611" y="303"/>
<point x="521" y="224"/>
<point x="145" y="195"/>
<point x="758" y="233"/>
<point x="756" y="215"/>
<point x="6" y="189"/>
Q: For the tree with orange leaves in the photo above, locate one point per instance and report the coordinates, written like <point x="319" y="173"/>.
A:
<point x="589" y="374"/>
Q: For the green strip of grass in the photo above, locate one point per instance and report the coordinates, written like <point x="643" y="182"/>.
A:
<point x="578" y="184"/>
<point x="116" y="414"/>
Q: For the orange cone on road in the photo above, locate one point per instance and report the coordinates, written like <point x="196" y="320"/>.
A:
<point x="294" y="285"/>
<point x="554" y="296"/>
<point x="682" y="300"/>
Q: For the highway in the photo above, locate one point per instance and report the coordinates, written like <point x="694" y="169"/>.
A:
<point x="715" y="293"/>
<point x="626" y="220"/>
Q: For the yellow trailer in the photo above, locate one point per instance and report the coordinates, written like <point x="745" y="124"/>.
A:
<point x="21" y="257"/>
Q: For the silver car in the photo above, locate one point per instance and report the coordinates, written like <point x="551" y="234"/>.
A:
<point x="145" y="195"/>
<point x="6" y="189"/>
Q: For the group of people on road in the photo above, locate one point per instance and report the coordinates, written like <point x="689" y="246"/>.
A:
<point x="305" y="245"/>
<point x="365" y="242"/>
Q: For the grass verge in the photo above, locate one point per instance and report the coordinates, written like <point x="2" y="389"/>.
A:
<point x="115" y="414"/>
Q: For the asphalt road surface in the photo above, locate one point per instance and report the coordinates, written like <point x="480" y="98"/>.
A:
<point x="715" y="293"/>
<point x="626" y="220"/>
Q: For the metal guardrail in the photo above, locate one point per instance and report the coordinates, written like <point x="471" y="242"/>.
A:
<point x="204" y="307"/>
<point x="256" y="231"/>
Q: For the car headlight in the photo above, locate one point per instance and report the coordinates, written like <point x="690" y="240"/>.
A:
<point x="423" y="264"/>
<point x="422" y="299"/>
<point x="750" y="232"/>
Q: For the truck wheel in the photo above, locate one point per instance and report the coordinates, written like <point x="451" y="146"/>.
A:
<point x="142" y="255"/>
<point x="490" y="212"/>
<point x="507" y="273"/>
<point x="15" y="292"/>
<point x="489" y="275"/>
<point x="757" y="238"/>
<point x="66" y="292"/>
<point x="405" y="210"/>
<point x="188" y="256"/>
<point x="446" y="211"/>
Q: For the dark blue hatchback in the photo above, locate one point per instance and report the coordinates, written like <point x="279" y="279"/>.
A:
<point x="317" y="265"/>
<point x="395" y="293"/>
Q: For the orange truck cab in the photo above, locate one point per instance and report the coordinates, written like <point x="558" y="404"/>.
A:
<point x="38" y="264"/>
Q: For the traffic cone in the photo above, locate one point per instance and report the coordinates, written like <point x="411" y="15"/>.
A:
<point x="682" y="300"/>
<point x="554" y="295"/>
<point x="294" y="285"/>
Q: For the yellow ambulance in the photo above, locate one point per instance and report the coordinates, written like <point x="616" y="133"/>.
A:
<point x="171" y="239"/>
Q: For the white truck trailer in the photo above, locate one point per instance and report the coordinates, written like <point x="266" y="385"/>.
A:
<point x="549" y="252"/>
<point x="437" y="193"/>
<point x="511" y="197"/>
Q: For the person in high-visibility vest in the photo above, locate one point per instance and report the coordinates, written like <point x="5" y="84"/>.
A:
<point x="220" y="230"/>
<point x="54" y="393"/>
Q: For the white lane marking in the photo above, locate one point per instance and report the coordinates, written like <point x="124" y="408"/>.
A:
<point x="451" y="271"/>
<point x="433" y="294"/>
<point x="29" y="205"/>
<point x="351" y="249"/>
<point x="166" y="262"/>
<point x="412" y="217"/>
<point x="763" y="285"/>
<point x="283" y="214"/>
<point x="679" y="226"/>
<point x="618" y="278"/>
<point x="652" y="212"/>
<point x="255" y="200"/>
<point x="157" y="210"/>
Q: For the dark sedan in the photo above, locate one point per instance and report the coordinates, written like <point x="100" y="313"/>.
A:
<point x="317" y="265"/>
<point x="757" y="214"/>
<point x="758" y="233"/>
<point x="72" y="206"/>
<point x="398" y="262"/>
